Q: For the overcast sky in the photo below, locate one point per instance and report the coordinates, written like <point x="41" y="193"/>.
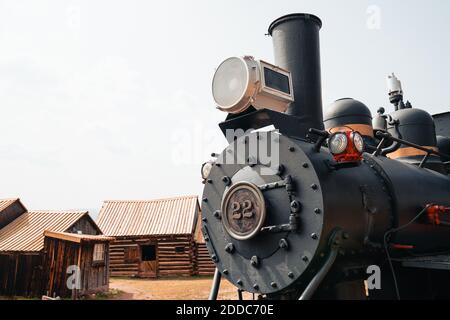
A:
<point x="111" y="99"/>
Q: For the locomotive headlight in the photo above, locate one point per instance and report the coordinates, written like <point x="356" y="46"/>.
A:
<point x="358" y="141"/>
<point x="206" y="169"/>
<point x="243" y="82"/>
<point x="337" y="143"/>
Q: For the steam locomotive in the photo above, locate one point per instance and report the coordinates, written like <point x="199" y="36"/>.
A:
<point x="302" y="205"/>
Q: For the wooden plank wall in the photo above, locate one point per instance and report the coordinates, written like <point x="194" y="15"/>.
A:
<point x="61" y="254"/>
<point x="20" y="274"/>
<point x="170" y="262"/>
<point x="205" y="266"/>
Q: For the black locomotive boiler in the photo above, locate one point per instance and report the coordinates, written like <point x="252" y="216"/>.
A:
<point x="302" y="205"/>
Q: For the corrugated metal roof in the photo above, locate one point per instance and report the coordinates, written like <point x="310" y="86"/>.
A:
<point x="75" y="237"/>
<point x="26" y="233"/>
<point x="149" y="217"/>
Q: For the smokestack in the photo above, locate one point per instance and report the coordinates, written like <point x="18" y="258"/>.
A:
<point x="296" y="48"/>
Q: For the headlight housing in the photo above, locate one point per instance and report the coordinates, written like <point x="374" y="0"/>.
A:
<point x="346" y="146"/>
<point x="206" y="169"/>
<point x="239" y="83"/>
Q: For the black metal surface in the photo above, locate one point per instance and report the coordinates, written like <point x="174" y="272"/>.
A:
<point x="442" y="123"/>
<point x="346" y="111"/>
<point x="215" y="285"/>
<point x="238" y="126"/>
<point x="413" y="125"/>
<point x="441" y="262"/>
<point x="297" y="49"/>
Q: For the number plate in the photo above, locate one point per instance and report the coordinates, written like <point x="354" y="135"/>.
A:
<point x="244" y="211"/>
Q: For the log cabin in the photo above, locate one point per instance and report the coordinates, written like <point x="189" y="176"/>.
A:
<point x="155" y="238"/>
<point x="28" y="264"/>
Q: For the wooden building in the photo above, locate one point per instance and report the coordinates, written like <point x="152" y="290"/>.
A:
<point x="29" y="264"/>
<point x="154" y="238"/>
<point x="86" y="254"/>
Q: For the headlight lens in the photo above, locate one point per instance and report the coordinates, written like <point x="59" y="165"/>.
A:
<point x="206" y="169"/>
<point x="337" y="143"/>
<point x="230" y="82"/>
<point x="358" y="141"/>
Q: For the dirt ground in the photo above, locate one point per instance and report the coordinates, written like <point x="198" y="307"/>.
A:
<point x="194" y="288"/>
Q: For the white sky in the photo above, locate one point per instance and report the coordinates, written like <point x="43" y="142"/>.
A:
<point x="111" y="99"/>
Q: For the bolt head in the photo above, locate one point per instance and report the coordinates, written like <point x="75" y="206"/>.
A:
<point x="296" y="206"/>
<point x="314" y="186"/>
<point x="225" y="271"/>
<point x="283" y="244"/>
<point x="291" y="275"/>
<point x="229" y="248"/>
<point x="314" y="236"/>
<point x="305" y="259"/>
<point x="239" y="282"/>
<point x="226" y="180"/>
<point x="254" y="261"/>
<point x="317" y="211"/>
<point x="217" y="214"/>
<point x="305" y="165"/>
<point x="273" y="284"/>
<point x="256" y="286"/>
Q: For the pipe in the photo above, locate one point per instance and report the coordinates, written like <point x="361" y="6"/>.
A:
<point x="215" y="285"/>
<point x="318" y="278"/>
<point x="297" y="49"/>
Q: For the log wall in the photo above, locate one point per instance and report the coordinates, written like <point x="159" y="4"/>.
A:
<point x="205" y="266"/>
<point x="175" y="256"/>
<point x="20" y="274"/>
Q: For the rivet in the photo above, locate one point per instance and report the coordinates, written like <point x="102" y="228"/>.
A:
<point x="214" y="258"/>
<point x="291" y="275"/>
<point x="314" y="236"/>
<point x="206" y="239"/>
<point x="254" y="261"/>
<point x="305" y="165"/>
<point x="255" y="286"/>
<point x="205" y="199"/>
<point x="283" y="244"/>
<point x="317" y="211"/>
<point x="314" y="186"/>
<point x="305" y="258"/>
<point x="296" y="206"/>
<point x="229" y="248"/>
<point x="239" y="282"/>
<point x="225" y="271"/>
<point x="209" y="181"/>
<point x="291" y="149"/>
<point x="204" y="219"/>
<point x="273" y="284"/>
<point x="217" y="214"/>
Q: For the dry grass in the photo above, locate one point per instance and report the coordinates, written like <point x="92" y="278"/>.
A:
<point x="192" y="288"/>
